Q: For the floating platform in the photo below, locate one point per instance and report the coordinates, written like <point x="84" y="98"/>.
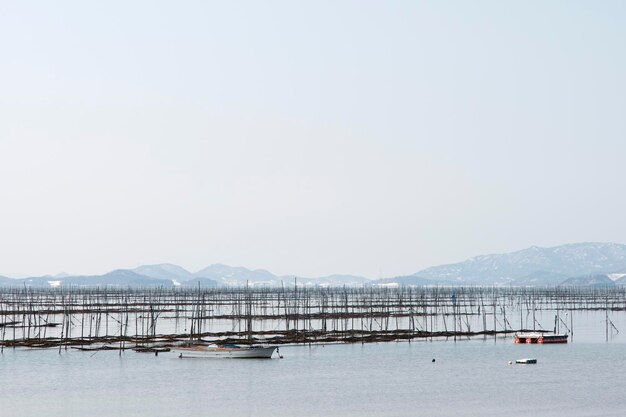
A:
<point x="540" y="338"/>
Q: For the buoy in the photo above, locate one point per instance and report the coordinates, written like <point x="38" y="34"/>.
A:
<point x="510" y="362"/>
<point x="433" y="359"/>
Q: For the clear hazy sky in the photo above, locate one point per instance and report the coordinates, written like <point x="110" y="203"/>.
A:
<point x="307" y="138"/>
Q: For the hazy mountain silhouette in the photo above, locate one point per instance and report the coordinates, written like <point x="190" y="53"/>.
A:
<point x="585" y="264"/>
<point x="165" y="271"/>
<point x="539" y="266"/>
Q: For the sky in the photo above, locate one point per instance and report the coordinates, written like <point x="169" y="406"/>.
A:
<point x="308" y="138"/>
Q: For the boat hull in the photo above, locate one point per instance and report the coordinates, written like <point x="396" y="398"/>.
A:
<point x="226" y="352"/>
<point x="540" y="338"/>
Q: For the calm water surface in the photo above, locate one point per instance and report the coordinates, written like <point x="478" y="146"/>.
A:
<point x="469" y="378"/>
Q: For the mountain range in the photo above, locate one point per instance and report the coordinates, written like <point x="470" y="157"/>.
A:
<point x="534" y="266"/>
<point x="170" y="275"/>
<point x="578" y="264"/>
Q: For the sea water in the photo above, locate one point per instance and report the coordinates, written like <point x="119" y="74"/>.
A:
<point x="466" y="378"/>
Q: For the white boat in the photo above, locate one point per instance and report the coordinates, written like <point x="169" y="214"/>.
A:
<point x="526" y="361"/>
<point x="226" y="351"/>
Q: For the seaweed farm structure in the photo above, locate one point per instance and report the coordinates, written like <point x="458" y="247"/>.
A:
<point x="159" y="318"/>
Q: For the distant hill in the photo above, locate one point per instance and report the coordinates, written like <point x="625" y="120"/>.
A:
<point x="232" y="275"/>
<point x="165" y="271"/>
<point x="235" y="275"/>
<point x="539" y="266"/>
<point x="410" y="280"/>
<point x="337" y="280"/>
<point x="589" y="281"/>
<point x="200" y="282"/>
<point x="117" y="278"/>
<point x="341" y="279"/>
<point x="6" y="280"/>
<point x="540" y="278"/>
